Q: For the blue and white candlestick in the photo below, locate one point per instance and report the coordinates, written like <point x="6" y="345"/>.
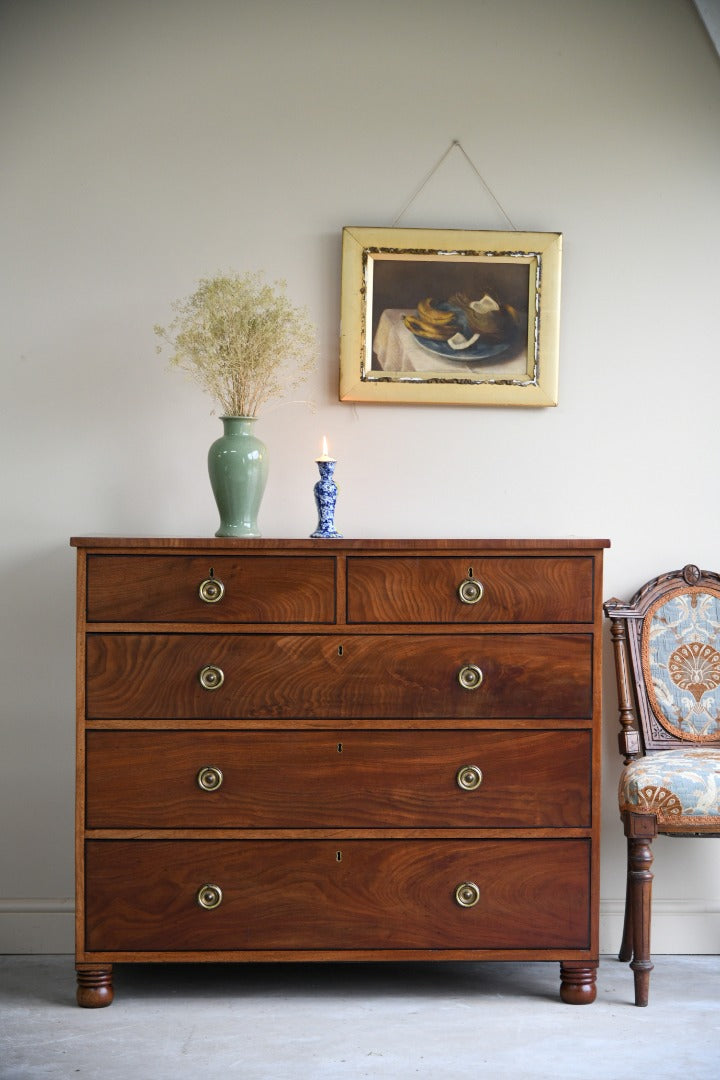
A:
<point x="325" y="497"/>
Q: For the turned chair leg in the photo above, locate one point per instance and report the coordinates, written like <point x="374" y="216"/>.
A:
<point x="640" y="878"/>
<point x="626" y="946"/>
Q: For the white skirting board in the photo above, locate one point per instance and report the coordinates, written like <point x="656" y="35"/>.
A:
<point x="37" y="925"/>
<point x="685" y="927"/>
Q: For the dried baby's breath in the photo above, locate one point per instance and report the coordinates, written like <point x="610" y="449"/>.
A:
<point x="242" y="340"/>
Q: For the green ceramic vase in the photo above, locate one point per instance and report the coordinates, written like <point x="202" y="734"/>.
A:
<point x="238" y="467"/>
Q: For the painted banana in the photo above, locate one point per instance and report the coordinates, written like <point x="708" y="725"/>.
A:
<point x="435" y="316"/>
<point x="431" y="322"/>
<point x="424" y="329"/>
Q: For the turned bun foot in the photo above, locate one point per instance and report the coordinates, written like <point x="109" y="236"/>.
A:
<point x="95" y="989"/>
<point x="577" y="986"/>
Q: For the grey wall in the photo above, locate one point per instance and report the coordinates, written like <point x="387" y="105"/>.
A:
<point x="147" y="145"/>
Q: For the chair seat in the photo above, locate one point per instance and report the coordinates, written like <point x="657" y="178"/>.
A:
<point x="678" y="787"/>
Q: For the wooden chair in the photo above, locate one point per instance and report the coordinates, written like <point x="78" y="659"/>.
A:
<point x="667" y="661"/>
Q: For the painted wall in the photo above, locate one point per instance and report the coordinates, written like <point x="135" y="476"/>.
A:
<point x="147" y="145"/>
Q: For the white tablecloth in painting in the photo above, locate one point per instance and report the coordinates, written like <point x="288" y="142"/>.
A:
<point x="398" y="350"/>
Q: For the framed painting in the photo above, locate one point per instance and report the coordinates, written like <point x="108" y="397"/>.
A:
<point x="439" y="316"/>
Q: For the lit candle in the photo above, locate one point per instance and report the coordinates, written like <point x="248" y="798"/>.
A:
<point x="325" y="492"/>
<point x="325" y="455"/>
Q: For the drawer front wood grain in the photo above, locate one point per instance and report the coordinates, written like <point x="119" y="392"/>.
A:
<point x="153" y="676"/>
<point x="255" y="589"/>
<point x="391" y="589"/>
<point x="342" y="779"/>
<point x="363" y="894"/>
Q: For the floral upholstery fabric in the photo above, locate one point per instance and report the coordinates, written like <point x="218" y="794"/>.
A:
<point x="681" y="663"/>
<point x="679" y="787"/>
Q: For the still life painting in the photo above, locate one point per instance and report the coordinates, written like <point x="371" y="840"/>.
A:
<point x="450" y="316"/>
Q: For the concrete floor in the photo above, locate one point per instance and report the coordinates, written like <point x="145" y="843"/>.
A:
<point x="382" y="1021"/>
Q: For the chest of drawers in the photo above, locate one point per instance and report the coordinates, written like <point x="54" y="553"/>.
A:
<point x="343" y="750"/>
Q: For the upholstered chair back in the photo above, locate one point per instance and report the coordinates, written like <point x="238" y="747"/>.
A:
<point x="673" y="641"/>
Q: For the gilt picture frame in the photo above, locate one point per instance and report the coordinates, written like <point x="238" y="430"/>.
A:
<point x="436" y="316"/>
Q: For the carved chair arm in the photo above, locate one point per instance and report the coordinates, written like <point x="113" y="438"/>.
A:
<point x="628" y="738"/>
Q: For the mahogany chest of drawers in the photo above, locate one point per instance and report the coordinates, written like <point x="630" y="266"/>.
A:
<point x="337" y="750"/>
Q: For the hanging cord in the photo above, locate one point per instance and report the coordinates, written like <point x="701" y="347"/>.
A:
<point x="455" y="143"/>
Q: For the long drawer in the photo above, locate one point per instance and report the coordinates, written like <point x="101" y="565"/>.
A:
<point x="154" y="676"/>
<point x="363" y="894"/>
<point x="387" y="589"/>
<point x="211" y="589"/>
<point x="343" y="779"/>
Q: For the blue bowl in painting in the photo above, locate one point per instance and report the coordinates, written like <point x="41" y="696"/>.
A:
<point x="464" y="329"/>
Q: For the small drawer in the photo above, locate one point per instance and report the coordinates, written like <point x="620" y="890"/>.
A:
<point x="338" y="779"/>
<point x="289" y="677"/>
<point x="472" y="590"/>
<point x="187" y="895"/>
<point x="210" y="589"/>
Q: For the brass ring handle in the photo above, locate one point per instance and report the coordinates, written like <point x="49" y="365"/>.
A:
<point x="211" y="590"/>
<point x="209" y="896"/>
<point x="470" y="677"/>
<point x="211" y="677"/>
<point x="209" y="778"/>
<point x="469" y="777"/>
<point x="470" y="591"/>
<point x="467" y="894"/>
